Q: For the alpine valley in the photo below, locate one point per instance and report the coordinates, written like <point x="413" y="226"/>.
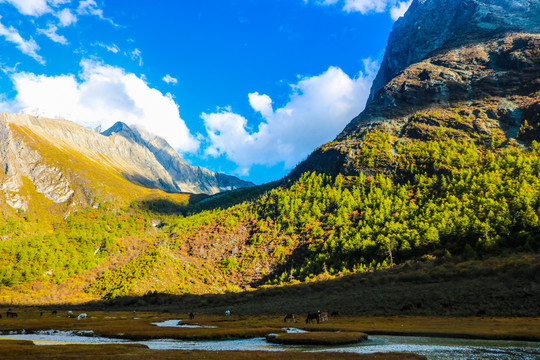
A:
<point x="428" y="202"/>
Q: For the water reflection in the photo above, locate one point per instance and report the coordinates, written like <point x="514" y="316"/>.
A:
<point x="178" y="323"/>
<point x="432" y="348"/>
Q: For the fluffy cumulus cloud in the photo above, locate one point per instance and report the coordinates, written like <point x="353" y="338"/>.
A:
<point x="28" y="47"/>
<point x="318" y="109"/>
<point x="261" y="103"/>
<point x="396" y="8"/>
<point x="100" y="96"/>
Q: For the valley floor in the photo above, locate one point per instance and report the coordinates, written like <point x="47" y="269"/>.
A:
<point x="139" y="326"/>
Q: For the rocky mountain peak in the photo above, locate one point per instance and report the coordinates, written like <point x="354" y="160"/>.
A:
<point x="431" y="25"/>
<point x="453" y="69"/>
<point x="187" y="178"/>
<point x="124" y="130"/>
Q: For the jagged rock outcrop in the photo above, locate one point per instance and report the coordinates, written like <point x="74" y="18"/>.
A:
<point x="468" y="68"/>
<point x="188" y="178"/>
<point x="431" y="25"/>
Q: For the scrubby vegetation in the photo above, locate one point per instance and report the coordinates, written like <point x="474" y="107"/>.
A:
<point x="447" y="199"/>
<point x="452" y="200"/>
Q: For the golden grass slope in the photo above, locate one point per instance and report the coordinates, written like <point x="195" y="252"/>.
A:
<point x="95" y="166"/>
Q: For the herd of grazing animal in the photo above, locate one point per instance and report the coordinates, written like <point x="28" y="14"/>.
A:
<point x="318" y="316"/>
<point x="12" y="315"/>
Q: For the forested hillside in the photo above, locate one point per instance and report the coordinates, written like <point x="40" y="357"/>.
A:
<point x="455" y="199"/>
<point x="442" y="167"/>
<point x="450" y="201"/>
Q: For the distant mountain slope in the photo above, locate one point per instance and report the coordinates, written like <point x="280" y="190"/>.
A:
<point x="70" y="165"/>
<point x="192" y="179"/>
<point x="453" y="69"/>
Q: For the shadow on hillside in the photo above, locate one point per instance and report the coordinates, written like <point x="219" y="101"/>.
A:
<point x="202" y="202"/>
<point x="492" y="287"/>
<point x="163" y="206"/>
<point x="294" y="261"/>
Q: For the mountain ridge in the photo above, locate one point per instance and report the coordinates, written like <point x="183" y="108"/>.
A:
<point x="188" y="178"/>
<point x="440" y="169"/>
<point x="452" y="85"/>
<point x="62" y="160"/>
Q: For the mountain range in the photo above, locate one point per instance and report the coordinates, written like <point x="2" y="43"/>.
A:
<point x="72" y="165"/>
<point x="440" y="169"/>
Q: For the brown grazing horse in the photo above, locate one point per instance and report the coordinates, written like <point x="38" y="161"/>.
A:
<point x="311" y="317"/>
<point x="289" y="317"/>
<point x="11" y="314"/>
<point x="324" y="316"/>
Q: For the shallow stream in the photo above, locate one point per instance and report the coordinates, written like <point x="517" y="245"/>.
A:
<point x="432" y="348"/>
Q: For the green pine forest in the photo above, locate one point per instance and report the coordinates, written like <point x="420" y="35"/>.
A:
<point x="444" y="200"/>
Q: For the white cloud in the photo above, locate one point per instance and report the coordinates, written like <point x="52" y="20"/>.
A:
<point x="365" y="6"/>
<point x="112" y="48"/>
<point x="399" y="9"/>
<point x="318" y="109"/>
<point x="136" y="55"/>
<point x="66" y="17"/>
<point x="102" y="95"/>
<point x="261" y="103"/>
<point x="58" y="2"/>
<point x="90" y="7"/>
<point x="170" y="80"/>
<point x="31" y="7"/>
<point x="396" y="8"/>
<point x="50" y="32"/>
<point x="28" y="47"/>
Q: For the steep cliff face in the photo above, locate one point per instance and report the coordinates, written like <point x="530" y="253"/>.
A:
<point x="431" y="25"/>
<point x="188" y="178"/>
<point x="48" y="180"/>
<point x="453" y="69"/>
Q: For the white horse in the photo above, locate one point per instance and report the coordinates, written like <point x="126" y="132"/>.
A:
<point x="81" y="316"/>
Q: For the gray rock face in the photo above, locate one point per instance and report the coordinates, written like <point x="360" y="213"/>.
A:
<point x="456" y="69"/>
<point x="17" y="159"/>
<point x="431" y="25"/>
<point x="188" y="178"/>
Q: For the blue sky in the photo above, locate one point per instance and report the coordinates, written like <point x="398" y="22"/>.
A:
<point x="246" y="87"/>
